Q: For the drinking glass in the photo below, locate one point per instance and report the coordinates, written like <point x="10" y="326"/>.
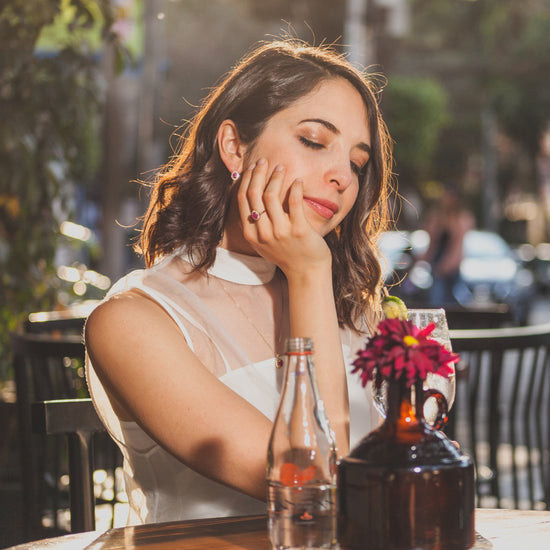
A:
<point x="444" y="384"/>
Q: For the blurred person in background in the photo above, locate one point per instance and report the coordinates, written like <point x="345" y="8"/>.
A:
<point x="262" y="227"/>
<point x="447" y="222"/>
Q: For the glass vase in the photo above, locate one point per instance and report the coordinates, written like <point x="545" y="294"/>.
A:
<point x="405" y="485"/>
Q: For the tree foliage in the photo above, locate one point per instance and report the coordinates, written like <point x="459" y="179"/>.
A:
<point x="49" y="102"/>
<point x="487" y="53"/>
<point x="416" y="112"/>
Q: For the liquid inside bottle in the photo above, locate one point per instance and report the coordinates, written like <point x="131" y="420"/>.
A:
<point x="302" y="517"/>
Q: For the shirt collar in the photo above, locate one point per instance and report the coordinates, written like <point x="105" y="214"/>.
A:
<point x="241" y="268"/>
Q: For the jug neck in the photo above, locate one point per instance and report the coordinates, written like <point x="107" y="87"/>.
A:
<point x="405" y="404"/>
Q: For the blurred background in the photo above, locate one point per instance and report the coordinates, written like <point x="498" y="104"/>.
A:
<point x="91" y="93"/>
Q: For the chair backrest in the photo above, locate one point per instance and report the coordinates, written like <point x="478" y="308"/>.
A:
<point x="49" y="365"/>
<point x="45" y="367"/>
<point x="78" y="421"/>
<point x="502" y="412"/>
<point x="494" y="316"/>
<point x="54" y="323"/>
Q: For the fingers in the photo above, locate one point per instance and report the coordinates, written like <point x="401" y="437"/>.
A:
<point x="261" y="192"/>
<point x="296" y="201"/>
<point x="257" y="185"/>
<point x="274" y="196"/>
<point x="270" y="210"/>
<point x="250" y="193"/>
<point x="255" y="215"/>
<point x="273" y="218"/>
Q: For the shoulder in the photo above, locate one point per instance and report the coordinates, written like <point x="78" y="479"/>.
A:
<point x="124" y="304"/>
<point x="127" y="313"/>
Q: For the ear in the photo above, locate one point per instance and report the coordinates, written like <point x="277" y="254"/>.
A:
<point x="230" y="146"/>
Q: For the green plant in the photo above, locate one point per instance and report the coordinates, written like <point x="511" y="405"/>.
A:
<point x="50" y="102"/>
<point x="416" y="111"/>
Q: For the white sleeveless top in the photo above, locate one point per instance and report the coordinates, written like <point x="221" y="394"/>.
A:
<point x="225" y="337"/>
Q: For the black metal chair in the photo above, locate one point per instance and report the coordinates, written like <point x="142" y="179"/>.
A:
<point x="78" y="420"/>
<point x="48" y="360"/>
<point x="502" y="412"/>
<point x="488" y="316"/>
<point x="44" y="369"/>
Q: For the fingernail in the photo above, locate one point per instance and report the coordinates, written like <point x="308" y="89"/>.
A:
<point x="298" y="180"/>
<point x="260" y="162"/>
<point x="252" y="166"/>
<point x="279" y="168"/>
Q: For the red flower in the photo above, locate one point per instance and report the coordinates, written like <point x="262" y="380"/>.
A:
<point x="400" y="348"/>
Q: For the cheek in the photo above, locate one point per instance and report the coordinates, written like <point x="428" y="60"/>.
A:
<point x="279" y="154"/>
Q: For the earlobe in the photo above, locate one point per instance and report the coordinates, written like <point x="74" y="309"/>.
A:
<point x="230" y="146"/>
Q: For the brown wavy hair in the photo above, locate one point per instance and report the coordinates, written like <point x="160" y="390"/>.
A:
<point x="191" y="195"/>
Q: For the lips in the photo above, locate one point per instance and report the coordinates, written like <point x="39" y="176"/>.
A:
<point x="323" y="207"/>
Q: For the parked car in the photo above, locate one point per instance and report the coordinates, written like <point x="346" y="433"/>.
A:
<point x="490" y="272"/>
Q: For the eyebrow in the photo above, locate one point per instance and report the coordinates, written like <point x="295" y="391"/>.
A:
<point x="329" y="126"/>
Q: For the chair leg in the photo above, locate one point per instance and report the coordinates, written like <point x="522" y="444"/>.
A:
<point x="29" y="479"/>
<point x="81" y="481"/>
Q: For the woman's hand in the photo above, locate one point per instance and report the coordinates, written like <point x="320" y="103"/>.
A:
<point x="282" y="234"/>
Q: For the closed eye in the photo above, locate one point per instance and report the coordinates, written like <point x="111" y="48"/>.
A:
<point x="359" y="171"/>
<point x="311" y="144"/>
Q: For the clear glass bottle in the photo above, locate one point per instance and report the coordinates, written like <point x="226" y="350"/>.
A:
<point x="301" y="461"/>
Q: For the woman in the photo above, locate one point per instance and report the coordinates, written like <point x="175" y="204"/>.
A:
<point x="262" y="227"/>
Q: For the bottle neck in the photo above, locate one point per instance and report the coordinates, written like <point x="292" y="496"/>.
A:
<point x="298" y="361"/>
<point x="405" y="404"/>
<point x="299" y="345"/>
<point x="301" y="430"/>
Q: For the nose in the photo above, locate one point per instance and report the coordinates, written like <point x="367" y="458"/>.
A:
<point x="339" y="173"/>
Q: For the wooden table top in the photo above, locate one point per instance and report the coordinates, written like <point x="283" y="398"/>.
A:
<point x="498" y="529"/>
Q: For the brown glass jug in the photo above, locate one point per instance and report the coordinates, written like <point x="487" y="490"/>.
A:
<point x="405" y="485"/>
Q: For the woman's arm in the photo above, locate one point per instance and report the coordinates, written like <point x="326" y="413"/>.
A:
<point x="313" y="314"/>
<point x="145" y="364"/>
<point x="288" y="240"/>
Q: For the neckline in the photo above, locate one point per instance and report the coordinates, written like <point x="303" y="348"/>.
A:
<point x="241" y="268"/>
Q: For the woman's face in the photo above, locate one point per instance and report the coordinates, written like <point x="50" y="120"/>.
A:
<point x="323" y="138"/>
